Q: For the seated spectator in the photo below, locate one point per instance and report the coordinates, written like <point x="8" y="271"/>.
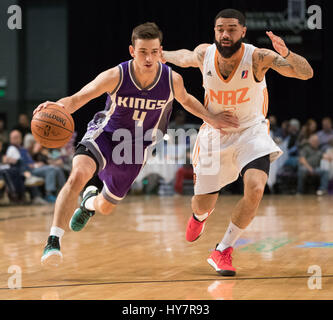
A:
<point x="327" y="160"/>
<point x="13" y="158"/>
<point x="291" y="144"/>
<point x="47" y="156"/>
<point x="309" y="165"/>
<point x="53" y="177"/>
<point x="23" y="124"/>
<point x="11" y="179"/>
<point x="42" y="156"/>
<point x="67" y="153"/>
<point x="326" y="134"/>
<point x="274" y="130"/>
<point x="309" y="128"/>
<point x="283" y="134"/>
<point x="40" y="153"/>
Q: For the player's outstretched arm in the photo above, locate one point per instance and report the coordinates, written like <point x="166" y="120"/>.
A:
<point x="185" y="58"/>
<point x="104" y="82"/>
<point x="191" y="104"/>
<point x="285" y="62"/>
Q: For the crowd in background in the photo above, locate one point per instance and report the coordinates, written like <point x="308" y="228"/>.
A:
<point x="307" y="162"/>
<point x="32" y="174"/>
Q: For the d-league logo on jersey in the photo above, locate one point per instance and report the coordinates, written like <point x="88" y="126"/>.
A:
<point x="244" y="74"/>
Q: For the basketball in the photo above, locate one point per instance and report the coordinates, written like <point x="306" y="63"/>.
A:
<point x="52" y="126"/>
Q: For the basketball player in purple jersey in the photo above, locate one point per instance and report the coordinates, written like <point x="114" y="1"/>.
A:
<point x="140" y="94"/>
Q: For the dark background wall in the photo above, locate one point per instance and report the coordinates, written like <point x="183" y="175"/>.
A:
<point x="9" y="65"/>
<point x="65" y="44"/>
<point x="33" y="59"/>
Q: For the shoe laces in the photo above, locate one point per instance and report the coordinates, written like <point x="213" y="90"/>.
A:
<point x="83" y="216"/>
<point x="53" y="242"/>
<point x="225" y="256"/>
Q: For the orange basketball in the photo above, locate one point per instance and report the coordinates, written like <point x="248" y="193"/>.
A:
<point x="52" y="126"/>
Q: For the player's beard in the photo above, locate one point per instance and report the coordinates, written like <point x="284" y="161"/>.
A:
<point x="227" y="52"/>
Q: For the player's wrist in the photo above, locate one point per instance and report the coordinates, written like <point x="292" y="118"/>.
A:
<point x="287" y="55"/>
<point x="209" y="118"/>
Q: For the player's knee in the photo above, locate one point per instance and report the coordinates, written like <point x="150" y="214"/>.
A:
<point x="255" y="193"/>
<point x="78" y="178"/>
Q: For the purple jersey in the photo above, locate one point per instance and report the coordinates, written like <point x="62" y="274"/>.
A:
<point x="140" y="116"/>
<point x="134" y="108"/>
<point x="148" y="107"/>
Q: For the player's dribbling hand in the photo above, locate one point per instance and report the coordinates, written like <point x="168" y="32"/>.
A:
<point x="45" y="104"/>
<point x="278" y="44"/>
<point x="225" y="119"/>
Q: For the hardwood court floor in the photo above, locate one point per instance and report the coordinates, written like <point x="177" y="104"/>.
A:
<point x="140" y="252"/>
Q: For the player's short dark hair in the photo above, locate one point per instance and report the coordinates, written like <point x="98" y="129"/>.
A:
<point x="148" y="30"/>
<point x="231" y="13"/>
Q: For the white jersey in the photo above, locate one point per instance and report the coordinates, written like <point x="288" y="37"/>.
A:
<point x="219" y="158"/>
<point x="240" y="92"/>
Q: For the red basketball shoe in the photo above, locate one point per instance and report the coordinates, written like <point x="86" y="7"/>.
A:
<point x="195" y="228"/>
<point x="221" y="261"/>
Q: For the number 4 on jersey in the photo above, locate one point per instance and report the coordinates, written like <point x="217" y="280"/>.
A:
<point x="139" y="117"/>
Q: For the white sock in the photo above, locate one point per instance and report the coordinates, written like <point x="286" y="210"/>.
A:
<point x="230" y="237"/>
<point x="58" y="232"/>
<point x="203" y="216"/>
<point x="89" y="204"/>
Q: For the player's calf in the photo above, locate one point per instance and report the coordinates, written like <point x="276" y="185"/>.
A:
<point x="104" y="207"/>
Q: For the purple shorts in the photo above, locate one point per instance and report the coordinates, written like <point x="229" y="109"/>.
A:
<point x="119" y="163"/>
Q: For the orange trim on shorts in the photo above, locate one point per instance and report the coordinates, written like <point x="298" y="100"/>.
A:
<point x="195" y="163"/>
<point x="196" y="151"/>
<point x="196" y="156"/>
<point x="265" y="103"/>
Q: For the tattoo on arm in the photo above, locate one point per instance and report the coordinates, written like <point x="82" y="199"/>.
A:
<point x="200" y="55"/>
<point x="294" y="66"/>
<point x="258" y="65"/>
<point x="278" y="61"/>
<point x="262" y="54"/>
<point x="300" y="65"/>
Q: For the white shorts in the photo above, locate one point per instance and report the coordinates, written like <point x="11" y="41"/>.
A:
<point x="218" y="159"/>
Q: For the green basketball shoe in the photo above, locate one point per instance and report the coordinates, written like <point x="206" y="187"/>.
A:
<point x="82" y="215"/>
<point x="52" y="256"/>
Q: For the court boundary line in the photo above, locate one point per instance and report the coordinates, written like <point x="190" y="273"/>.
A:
<point x="167" y="281"/>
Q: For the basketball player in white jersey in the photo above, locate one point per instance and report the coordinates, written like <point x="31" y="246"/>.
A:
<point x="234" y="80"/>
